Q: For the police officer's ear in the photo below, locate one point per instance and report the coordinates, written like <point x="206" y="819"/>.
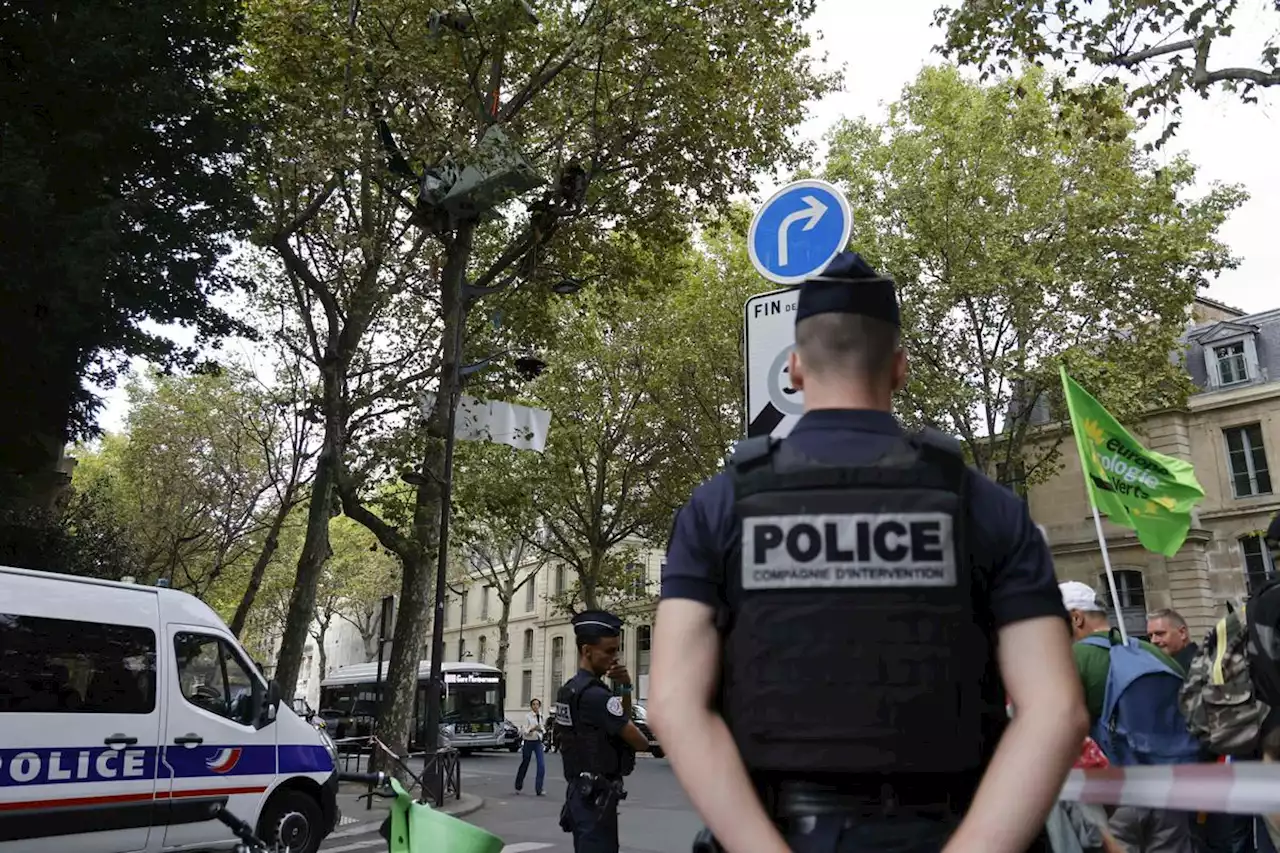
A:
<point x="795" y="369"/>
<point x="898" y="370"/>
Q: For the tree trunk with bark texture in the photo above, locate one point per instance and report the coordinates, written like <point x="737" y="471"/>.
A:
<point x="315" y="551"/>
<point x="417" y="589"/>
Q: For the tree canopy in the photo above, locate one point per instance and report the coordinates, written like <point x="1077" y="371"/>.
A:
<point x="620" y="117"/>
<point x="1018" y="241"/>
<point x="119" y="193"/>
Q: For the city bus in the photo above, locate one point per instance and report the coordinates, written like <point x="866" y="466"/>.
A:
<point x="471" y="718"/>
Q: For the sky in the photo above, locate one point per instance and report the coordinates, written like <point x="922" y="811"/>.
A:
<point x="883" y="45"/>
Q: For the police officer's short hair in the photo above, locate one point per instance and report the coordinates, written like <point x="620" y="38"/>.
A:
<point x="837" y="343"/>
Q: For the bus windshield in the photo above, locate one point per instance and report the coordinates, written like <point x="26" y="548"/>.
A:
<point x="471" y="704"/>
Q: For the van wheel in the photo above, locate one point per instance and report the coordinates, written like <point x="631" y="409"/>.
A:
<point x="293" y="819"/>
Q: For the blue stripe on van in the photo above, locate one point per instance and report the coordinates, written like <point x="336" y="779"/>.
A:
<point x="69" y="764"/>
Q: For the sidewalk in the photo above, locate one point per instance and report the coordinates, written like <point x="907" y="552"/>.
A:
<point x="357" y="819"/>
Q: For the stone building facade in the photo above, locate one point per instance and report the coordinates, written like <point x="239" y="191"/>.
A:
<point x="540" y="653"/>
<point x="1230" y="431"/>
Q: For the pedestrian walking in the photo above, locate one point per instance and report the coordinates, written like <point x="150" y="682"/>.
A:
<point x="844" y="614"/>
<point x="531" y="733"/>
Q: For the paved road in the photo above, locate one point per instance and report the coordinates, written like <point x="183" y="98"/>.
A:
<point x="655" y="818"/>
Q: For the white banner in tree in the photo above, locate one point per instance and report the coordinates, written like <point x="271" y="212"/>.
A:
<point x="521" y="427"/>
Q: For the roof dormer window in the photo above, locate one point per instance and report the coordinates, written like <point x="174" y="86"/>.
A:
<point x="1230" y="355"/>
<point x="1233" y="368"/>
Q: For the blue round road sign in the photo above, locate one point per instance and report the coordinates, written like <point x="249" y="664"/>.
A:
<point x="798" y="231"/>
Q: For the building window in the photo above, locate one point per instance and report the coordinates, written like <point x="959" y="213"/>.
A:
<point x="1013" y="476"/>
<point x="530" y="593"/>
<point x="1232" y="367"/>
<point x="557" y="662"/>
<point x="644" y="637"/>
<point x="639" y="579"/>
<point x="528" y="644"/>
<point x="462" y="648"/>
<point x="1248" y="460"/>
<point x="1128" y="587"/>
<point x="484" y="649"/>
<point x="484" y="602"/>
<point x="1258" y="566"/>
<point x="526" y="687"/>
<point x="462" y="607"/>
<point x="559" y="580"/>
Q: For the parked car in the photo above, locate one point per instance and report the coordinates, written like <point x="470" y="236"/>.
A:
<point x="510" y="737"/>
<point x="641" y="718"/>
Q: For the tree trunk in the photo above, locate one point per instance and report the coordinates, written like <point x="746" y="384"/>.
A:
<point x="504" y="636"/>
<point x="318" y="635"/>
<point x="315" y="551"/>
<point x="260" y="566"/>
<point x="417" y="587"/>
<point x="589" y="582"/>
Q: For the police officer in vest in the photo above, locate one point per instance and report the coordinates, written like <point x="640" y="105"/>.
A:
<point x="844" y="614"/>
<point x="597" y="739"/>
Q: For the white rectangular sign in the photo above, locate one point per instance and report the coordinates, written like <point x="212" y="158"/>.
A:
<point x="773" y="406"/>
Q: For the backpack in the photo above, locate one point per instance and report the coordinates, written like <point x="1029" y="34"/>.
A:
<point x="1141" y="722"/>
<point x="1263" y="628"/>
<point x="1222" y="709"/>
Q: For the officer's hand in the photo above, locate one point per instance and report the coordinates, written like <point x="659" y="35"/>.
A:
<point x="619" y="674"/>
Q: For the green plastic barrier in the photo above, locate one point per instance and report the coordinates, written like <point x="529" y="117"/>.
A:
<point x="417" y="828"/>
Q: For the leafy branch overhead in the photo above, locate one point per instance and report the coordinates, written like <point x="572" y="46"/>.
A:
<point x="1162" y="48"/>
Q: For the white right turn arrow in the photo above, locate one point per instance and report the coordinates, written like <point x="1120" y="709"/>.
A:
<point x="813" y="213"/>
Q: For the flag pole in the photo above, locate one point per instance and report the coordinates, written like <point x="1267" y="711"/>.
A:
<point x="1093" y="505"/>
<point x="1111" y="576"/>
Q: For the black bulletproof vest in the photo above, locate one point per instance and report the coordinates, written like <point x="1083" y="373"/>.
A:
<point x="851" y="644"/>
<point x="585" y="748"/>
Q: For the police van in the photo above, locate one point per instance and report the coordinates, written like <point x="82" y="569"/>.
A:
<point x="127" y="711"/>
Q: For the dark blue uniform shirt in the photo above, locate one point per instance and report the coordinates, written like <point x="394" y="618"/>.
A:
<point x="596" y="707"/>
<point x="1008" y="547"/>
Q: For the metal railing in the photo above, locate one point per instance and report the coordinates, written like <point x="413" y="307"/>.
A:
<point x="442" y="776"/>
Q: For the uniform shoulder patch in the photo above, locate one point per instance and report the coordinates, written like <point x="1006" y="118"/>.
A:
<point x="615" y="706"/>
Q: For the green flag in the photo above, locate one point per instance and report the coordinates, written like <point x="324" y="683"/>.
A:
<point x="1148" y="492"/>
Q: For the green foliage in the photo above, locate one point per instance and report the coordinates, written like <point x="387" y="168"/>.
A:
<point x="355" y="579"/>
<point x="118" y="189"/>
<point x="196" y="480"/>
<point x="1020" y="241"/>
<point x="1165" y="46"/>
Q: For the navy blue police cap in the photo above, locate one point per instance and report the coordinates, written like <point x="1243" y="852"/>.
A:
<point x="595" y="624"/>
<point x="849" y="286"/>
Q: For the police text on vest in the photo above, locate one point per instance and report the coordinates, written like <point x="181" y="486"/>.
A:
<point x="848" y="550"/>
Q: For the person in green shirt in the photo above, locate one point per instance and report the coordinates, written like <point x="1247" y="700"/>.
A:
<point x="1088" y="619"/>
<point x="1139" y="830"/>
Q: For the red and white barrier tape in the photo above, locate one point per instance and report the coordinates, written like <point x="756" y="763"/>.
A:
<point x="1246" y="787"/>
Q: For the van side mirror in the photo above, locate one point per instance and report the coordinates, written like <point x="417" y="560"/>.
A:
<point x="273" y="697"/>
<point x="266" y="703"/>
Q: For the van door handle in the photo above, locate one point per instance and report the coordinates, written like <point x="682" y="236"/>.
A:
<point x="120" y="740"/>
<point x="188" y="739"/>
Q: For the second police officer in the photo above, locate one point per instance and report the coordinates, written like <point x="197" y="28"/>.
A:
<point x="597" y="739"/>
<point x="844" y="614"/>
